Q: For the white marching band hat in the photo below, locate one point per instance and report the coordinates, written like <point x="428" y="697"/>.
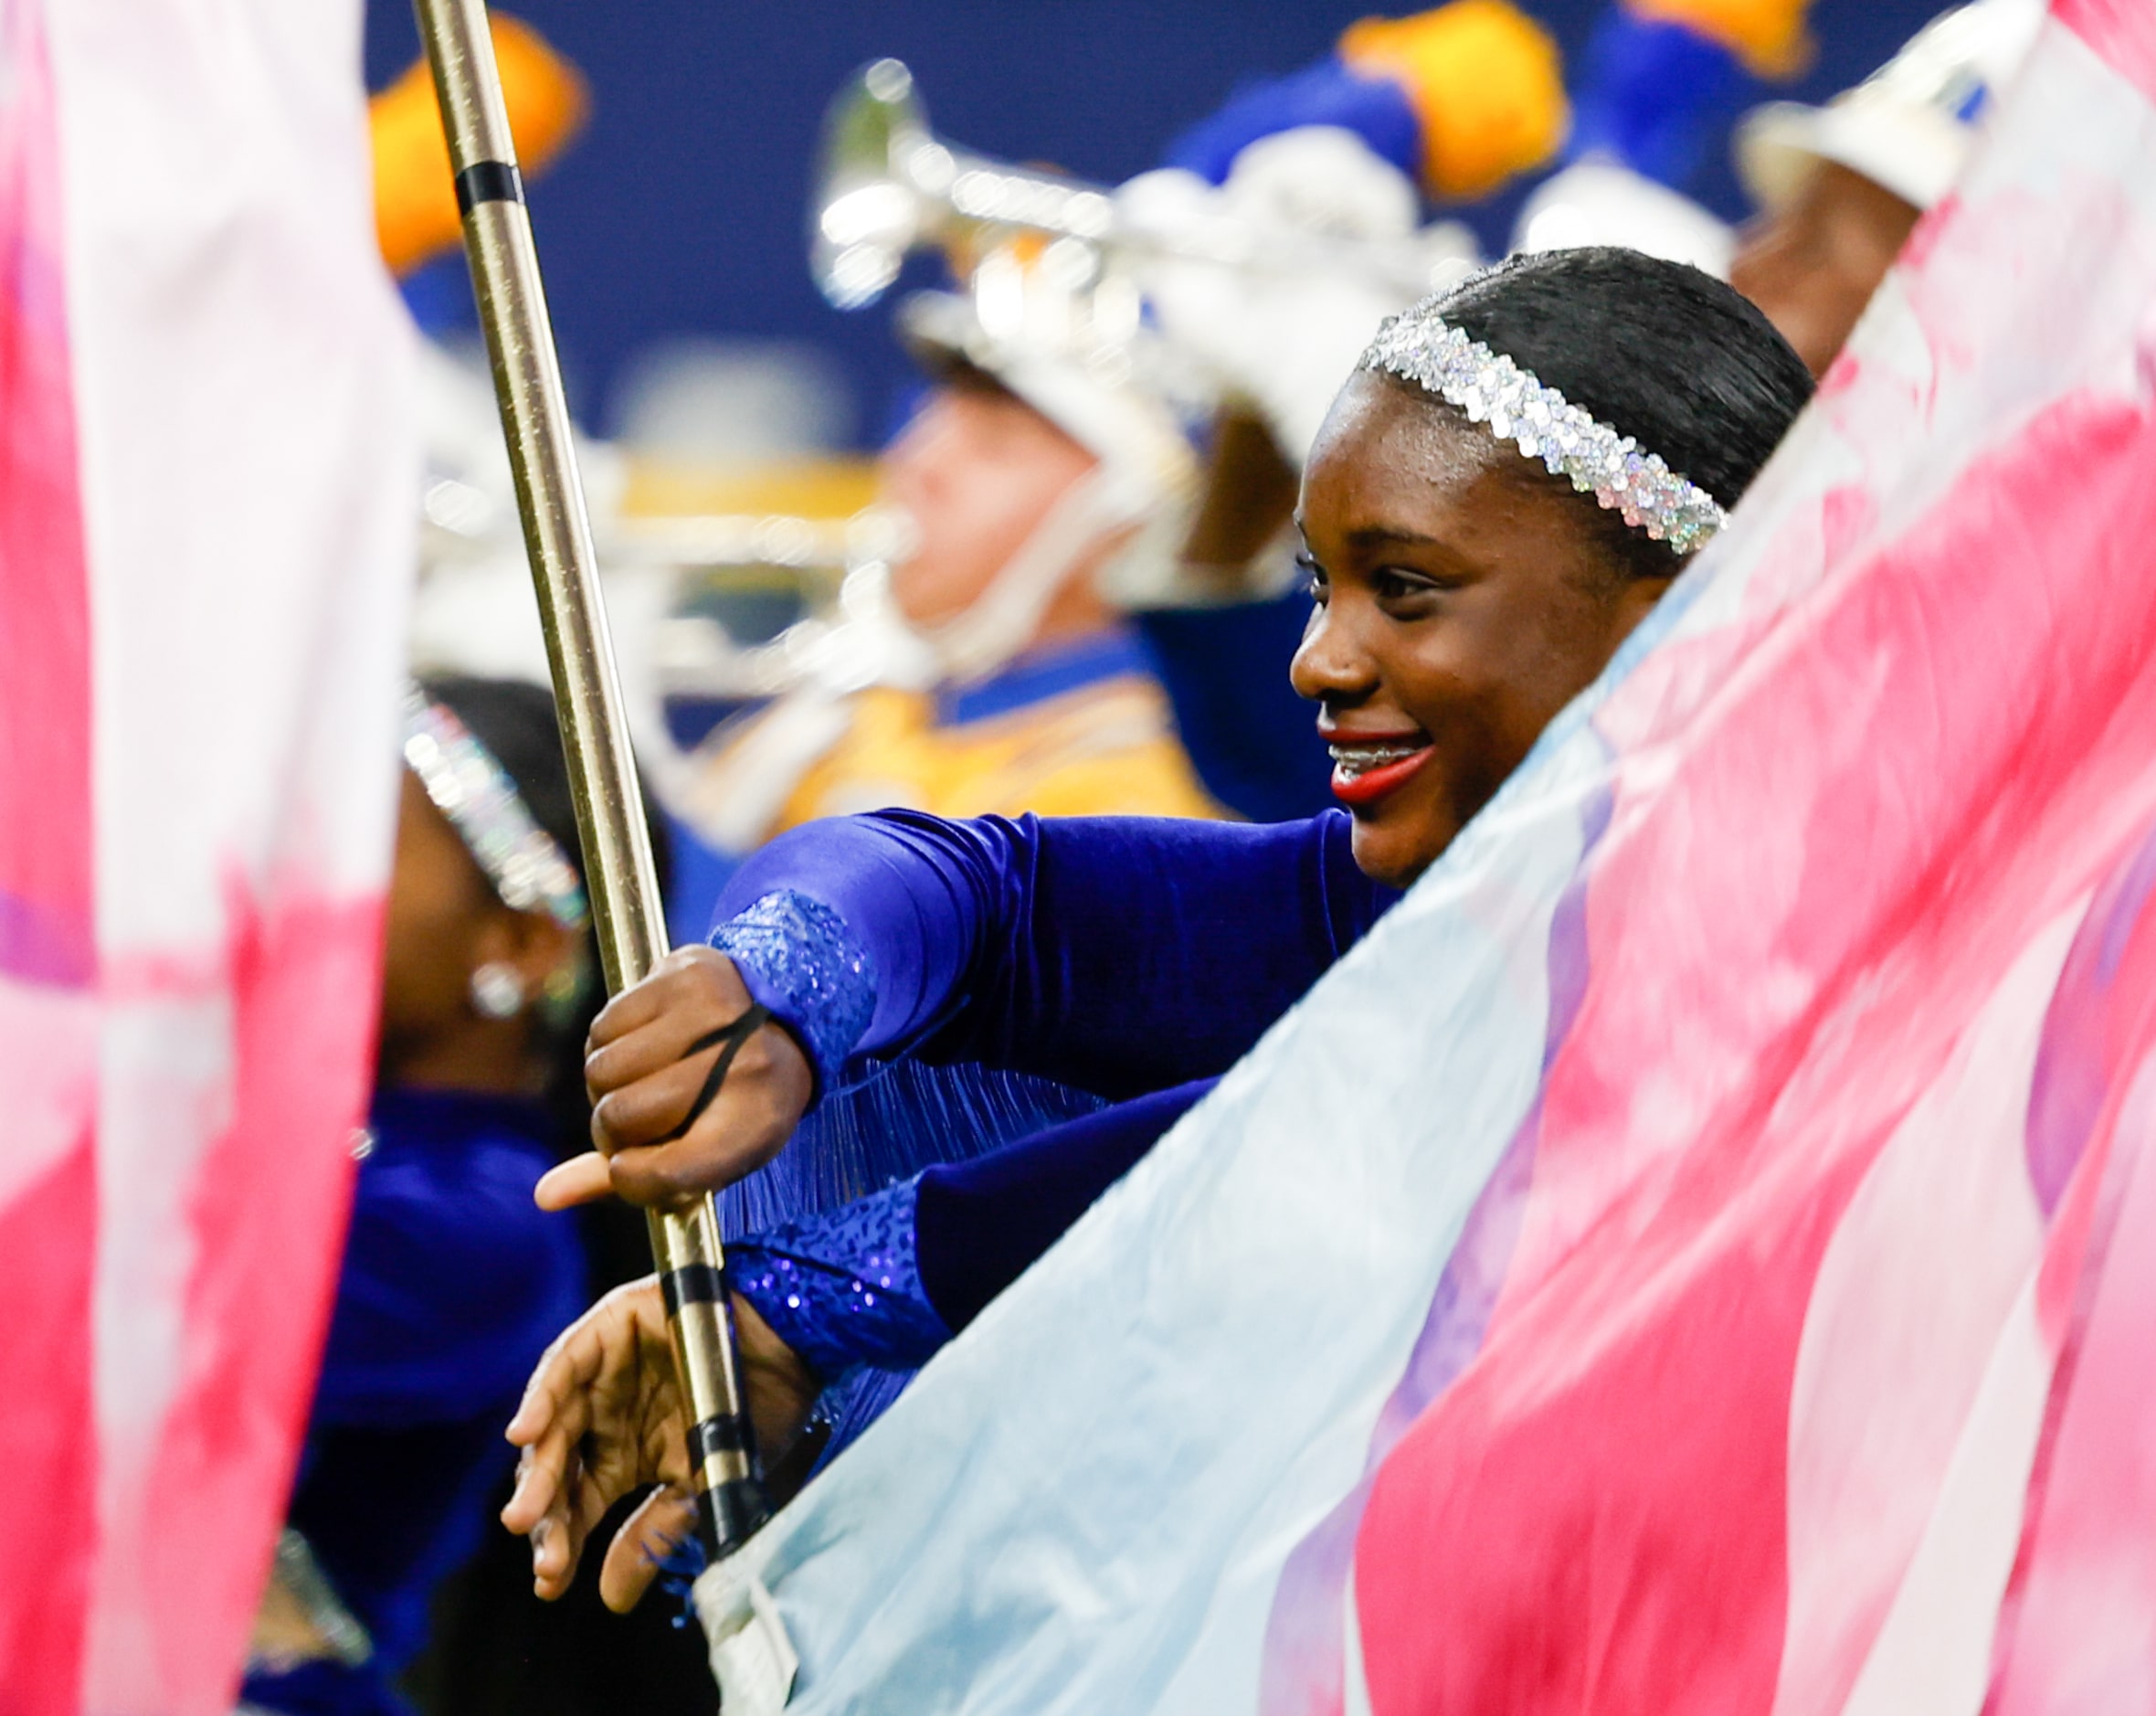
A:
<point x="1908" y="126"/>
<point x="1078" y="352"/>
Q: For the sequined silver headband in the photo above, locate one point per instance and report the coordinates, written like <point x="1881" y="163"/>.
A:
<point x="468" y="784"/>
<point x="1419" y="346"/>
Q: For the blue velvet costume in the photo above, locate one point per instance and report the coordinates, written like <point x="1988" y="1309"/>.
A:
<point x="452" y="1285"/>
<point x="1128" y="959"/>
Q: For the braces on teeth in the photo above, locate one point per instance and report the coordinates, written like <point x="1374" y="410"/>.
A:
<point x="1358" y="759"/>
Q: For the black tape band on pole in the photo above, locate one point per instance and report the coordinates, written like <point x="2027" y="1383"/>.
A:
<point x="735" y="1510"/>
<point x="692" y="1284"/>
<point x="719" y="1435"/>
<point x="489" y="181"/>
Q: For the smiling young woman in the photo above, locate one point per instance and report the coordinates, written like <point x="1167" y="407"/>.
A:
<point x="1464" y="593"/>
<point x="1502" y="492"/>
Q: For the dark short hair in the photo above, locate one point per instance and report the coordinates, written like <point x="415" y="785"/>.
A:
<point x="1673" y="357"/>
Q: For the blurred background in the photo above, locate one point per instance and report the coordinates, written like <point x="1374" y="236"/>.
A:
<point x="673" y="232"/>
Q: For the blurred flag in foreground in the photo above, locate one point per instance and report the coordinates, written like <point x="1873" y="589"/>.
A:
<point x="1699" y="1255"/>
<point x="206" y="505"/>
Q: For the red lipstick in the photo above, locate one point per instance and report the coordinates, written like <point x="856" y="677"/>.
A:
<point x="1373" y="784"/>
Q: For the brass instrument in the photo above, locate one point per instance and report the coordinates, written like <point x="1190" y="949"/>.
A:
<point x="889" y="185"/>
<point x="750" y="597"/>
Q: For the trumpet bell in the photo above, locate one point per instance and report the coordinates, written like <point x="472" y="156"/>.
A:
<point x="868" y="213"/>
<point x="887" y="184"/>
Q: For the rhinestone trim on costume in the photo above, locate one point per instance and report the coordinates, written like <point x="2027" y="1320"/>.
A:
<point x="468" y="784"/>
<point x="1419" y="346"/>
<point x="809" y="970"/>
<point x="844" y="1290"/>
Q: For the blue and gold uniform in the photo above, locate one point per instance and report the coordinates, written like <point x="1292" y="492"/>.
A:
<point x="1064" y="730"/>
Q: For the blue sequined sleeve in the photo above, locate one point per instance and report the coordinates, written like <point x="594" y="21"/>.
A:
<point x="887" y="1280"/>
<point x="797" y="958"/>
<point x="844" y="1290"/>
<point x="867" y="1293"/>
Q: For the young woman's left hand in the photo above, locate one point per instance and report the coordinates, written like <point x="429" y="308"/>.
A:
<point x="602" y="1416"/>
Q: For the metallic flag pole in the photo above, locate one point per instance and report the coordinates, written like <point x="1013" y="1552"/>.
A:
<point x="623" y="885"/>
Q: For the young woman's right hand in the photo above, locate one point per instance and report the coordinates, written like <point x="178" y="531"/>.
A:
<point x="643" y="1081"/>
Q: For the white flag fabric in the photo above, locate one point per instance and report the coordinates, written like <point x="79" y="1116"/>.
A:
<point x="1698" y="1255"/>
<point x="207" y="491"/>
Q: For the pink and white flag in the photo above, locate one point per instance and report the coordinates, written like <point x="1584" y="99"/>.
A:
<point x="1699" y="1256"/>
<point x="207" y="491"/>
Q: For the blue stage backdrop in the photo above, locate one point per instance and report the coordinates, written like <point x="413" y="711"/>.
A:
<point x="681" y="210"/>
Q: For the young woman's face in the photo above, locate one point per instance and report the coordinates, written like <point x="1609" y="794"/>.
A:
<point x="1460" y="605"/>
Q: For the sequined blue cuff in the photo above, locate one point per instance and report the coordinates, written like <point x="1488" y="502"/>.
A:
<point x="844" y="1290"/>
<point x="797" y="958"/>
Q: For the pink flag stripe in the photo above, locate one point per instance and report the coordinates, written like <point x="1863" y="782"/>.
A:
<point x="266" y="1224"/>
<point x="1305" y="1653"/>
<point x="2118" y="30"/>
<point x="45" y="829"/>
<point x="47" y="1040"/>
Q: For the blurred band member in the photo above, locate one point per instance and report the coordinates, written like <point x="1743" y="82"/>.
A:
<point x="1840" y="187"/>
<point x="1040" y="479"/>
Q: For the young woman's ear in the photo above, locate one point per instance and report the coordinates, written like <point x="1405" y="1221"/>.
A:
<point x="543" y="951"/>
<point x="543" y="957"/>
